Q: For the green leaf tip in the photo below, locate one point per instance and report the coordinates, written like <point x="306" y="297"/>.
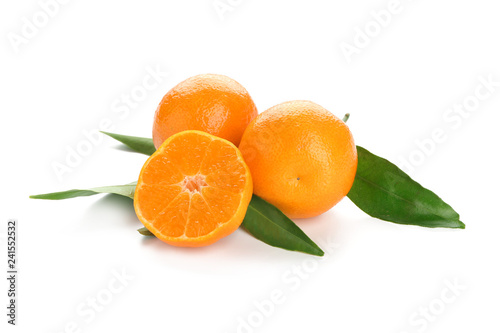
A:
<point x="384" y="191"/>
<point x="145" y="232"/>
<point x="269" y="225"/>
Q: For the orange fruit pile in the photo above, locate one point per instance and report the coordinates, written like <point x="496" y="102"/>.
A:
<point x="194" y="190"/>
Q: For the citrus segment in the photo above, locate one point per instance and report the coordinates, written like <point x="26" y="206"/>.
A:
<point x="156" y="196"/>
<point x="173" y="218"/>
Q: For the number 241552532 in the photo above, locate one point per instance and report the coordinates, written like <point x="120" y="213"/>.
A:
<point x="11" y="244"/>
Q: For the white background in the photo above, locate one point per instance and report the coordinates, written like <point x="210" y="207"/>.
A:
<point x="376" y="276"/>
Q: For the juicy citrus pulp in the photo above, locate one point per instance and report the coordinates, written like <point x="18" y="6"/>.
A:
<point x="194" y="190"/>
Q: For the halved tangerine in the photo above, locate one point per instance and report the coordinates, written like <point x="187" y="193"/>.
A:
<point x="194" y="190"/>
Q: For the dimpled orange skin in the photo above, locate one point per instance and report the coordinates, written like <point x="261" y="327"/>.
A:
<point x="302" y="158"/>
<point x="212" y="103"/>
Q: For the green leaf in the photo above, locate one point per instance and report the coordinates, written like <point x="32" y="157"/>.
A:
<point x="140" y="145"/>
<point x="268" y="224"/>
<point x="145" y="232"/>
<point x="384" y="191"/>
<point x="124" y="190"/>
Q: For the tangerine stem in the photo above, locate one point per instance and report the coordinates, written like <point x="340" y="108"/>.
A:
<point x="346" y="117"/>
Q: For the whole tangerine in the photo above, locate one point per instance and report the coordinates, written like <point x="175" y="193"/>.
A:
<point x="212" y="103"/>
<point x="302" y="158"/>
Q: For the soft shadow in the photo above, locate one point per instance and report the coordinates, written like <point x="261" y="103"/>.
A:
<point x="232" y="255"/>
<point x="115" y="211"/>
<point x="321" y="227"/>
<point x="126" y="149"/>
<point x="118" y="201"/>
<point x="111" y="210"/>
<point x="222" y="246"/>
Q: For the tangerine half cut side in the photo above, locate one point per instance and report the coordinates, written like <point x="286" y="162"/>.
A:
<point x="194" y="190"/>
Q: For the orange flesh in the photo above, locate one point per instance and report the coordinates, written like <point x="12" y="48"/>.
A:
<point x="194" y="190"/>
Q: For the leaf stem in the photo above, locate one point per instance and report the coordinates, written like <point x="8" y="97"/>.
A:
<point x="346" y="117"/>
